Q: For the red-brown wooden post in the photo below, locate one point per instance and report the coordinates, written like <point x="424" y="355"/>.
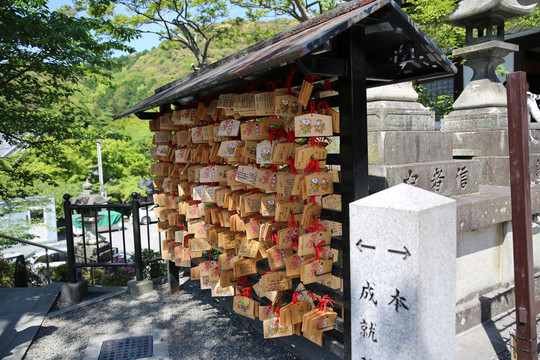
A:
<point x="518" y="127"/>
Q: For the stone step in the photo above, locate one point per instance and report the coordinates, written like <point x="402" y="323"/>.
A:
<point x="448" y="178"/>
<point x="403" y="147"/>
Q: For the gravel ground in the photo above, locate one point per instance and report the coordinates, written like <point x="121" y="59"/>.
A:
<point x="197" y="329"/>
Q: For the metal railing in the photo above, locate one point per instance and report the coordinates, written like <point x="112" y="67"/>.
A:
<point x="46" y="247"/>
<point x="102" y="253"/>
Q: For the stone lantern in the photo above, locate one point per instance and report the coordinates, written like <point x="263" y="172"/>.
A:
<point x="91" y="236"/>
<point x="482" y="104"/>
<point x="89" y="196"/>
<point x="483" y="21"/>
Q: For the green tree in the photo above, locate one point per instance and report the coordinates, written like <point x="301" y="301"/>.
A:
<point x="431" y="15"/>
<point x="298" y="10"/>
<point x="43" y="54"/>
<point x="194" y="24"/>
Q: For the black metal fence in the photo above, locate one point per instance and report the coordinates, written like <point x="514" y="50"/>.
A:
<point x="91" y="252"/>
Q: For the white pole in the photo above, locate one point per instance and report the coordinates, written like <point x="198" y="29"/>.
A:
<point x="102" y="190"/>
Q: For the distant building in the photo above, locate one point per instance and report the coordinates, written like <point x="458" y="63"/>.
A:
<point x="36" y="215"/>
<point x="7" y="150"/>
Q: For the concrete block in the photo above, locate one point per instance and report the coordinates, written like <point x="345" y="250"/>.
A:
<point x="402" y="147"/>
<point x="478" y="252"/>
<point x="399" y="116"/>
<point x="495" y="170"/>
<point x="488" y="118"/>
<point x="74" y="293"/>
<point x="480" y="143"/>
<point x="488" y="143"/>
<point x="137" y="288"/>
<point x="448" y="178"/>
<point x="403" y="288"/>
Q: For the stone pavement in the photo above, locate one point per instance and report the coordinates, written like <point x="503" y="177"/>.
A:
<point x="24" y="309"/>
<point x="489" y="340"/>
<point x="22" y="312"/>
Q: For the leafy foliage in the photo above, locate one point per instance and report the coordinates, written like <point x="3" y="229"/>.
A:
<point x="120" y="275"/>
<point x="193" y="24"/>
<point x="42" y="55"/>
<point x="431" y="16"/>
<point x="7" y="272"/>
<point x="530" y="21"/>
<point x="296" y="9"/>
<point x="440" y="103"/>
<point x="125" y="155"/>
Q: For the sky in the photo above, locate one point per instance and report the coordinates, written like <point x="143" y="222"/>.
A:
<point x="145" y="42"/>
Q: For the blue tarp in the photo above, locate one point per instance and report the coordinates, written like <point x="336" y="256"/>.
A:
<point x="115" y="218"/>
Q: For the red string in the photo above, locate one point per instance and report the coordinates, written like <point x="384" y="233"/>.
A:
<point x="315" y="141"/>
<point x="327" y="85"/>
<point x="274" y="237"/>
<point x="323" y="105"/>
<point x="311" y="79"/>
<point x="274" y="168"/>
<point x="242" y="281"/>
<point x="246" y="292"/>
<point x="277" y="132"/>
<point x="271" y="85"/>
<point x="311" y="106"/>
<point x="319" y="250"/>
<point x="252" y="87"/>
<point x="295" y="298"/>
<point x="290" y="161"/>
<point x="290" y="136"/>
<point x="294" y="242"/>
<point x="313" y="297"/>
<point x="324" y="302"/>
<point x="292" y="223"/>
<point x="269" y="308"/>
<point x="289" y="80"/>
<point x="316" y="226"/>
<point x="277" y="316"/>
<point x="312" y="167"/>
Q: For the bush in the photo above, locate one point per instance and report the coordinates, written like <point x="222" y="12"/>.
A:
<point x="99" y="275"/>
<point x="120" y="275"/>
<point x="60" y="273"/>
<point x="154" y="269"/>
<point x="7" y="274"/>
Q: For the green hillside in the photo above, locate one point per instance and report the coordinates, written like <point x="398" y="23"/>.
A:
<point x="142" y="73"/>
<point x="124" y="142"/>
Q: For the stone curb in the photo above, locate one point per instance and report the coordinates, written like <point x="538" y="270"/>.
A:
<point x="115" y="292"/>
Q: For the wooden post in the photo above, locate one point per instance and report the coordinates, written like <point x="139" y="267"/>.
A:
<point x="353" y="152"/>
<point x="518" y="128"/>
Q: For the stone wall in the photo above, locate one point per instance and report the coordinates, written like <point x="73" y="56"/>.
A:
<point x="472" y="167"/>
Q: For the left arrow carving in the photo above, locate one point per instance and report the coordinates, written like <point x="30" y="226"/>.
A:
<point x="359" y="245"/>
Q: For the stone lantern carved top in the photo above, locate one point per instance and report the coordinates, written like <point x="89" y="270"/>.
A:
<point x="89" y="196"/>
<point x="469" y="11"/>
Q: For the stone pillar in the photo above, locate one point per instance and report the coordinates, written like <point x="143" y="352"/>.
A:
<point x="403" y="146"/>
<point x="403" y="279"/>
